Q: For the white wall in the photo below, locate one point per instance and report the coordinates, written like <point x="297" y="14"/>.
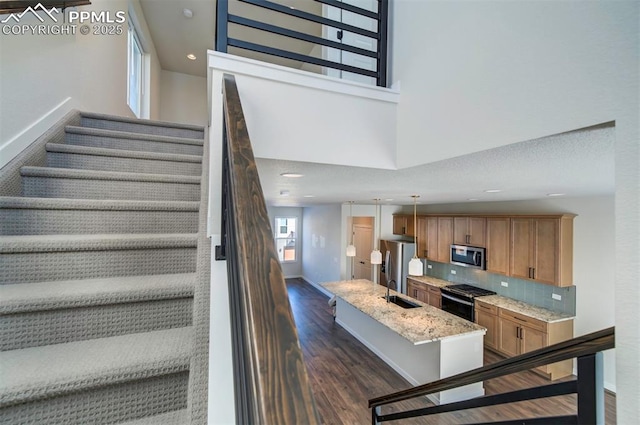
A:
<point x="290" y="268"/>
<point x="45" y="76"/>
<point x="321" y="237"/>
<point x="183" y="98"/>
<point x="346" y="123"/>
<point x="594" y="259"/>
<point x="482" y="74"/>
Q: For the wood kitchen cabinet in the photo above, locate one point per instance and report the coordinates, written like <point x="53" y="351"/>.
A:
<point x="418" y="290"/>
<point x="435" y="297"/>
<point x="403" y="225"/>
<point x="541" y="249"/>
<point x="519" y="334"/>
<point x="424" y="292"/>
<point x="486" y="315"/>
<point x="445" y="239"/>
<point x="421" y="235"/>
<point x="469" y="231"/>
<point x="498" y="231"/>
<point x="432" y="239"/>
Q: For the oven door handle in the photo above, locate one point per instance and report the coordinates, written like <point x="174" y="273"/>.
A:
<point x="458" y="300"/>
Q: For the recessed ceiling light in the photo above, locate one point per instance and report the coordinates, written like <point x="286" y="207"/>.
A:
<point x="389" y="199"/>
<point x="188" y="13"/>
<point x="493" y="190"/>
<point x="284" y="193"/>
<point x="309" y="196"/>
<point x="292" y="175"/>
<point x="555" y="194"/>
<point x="191" y="56"/>
<point x="472" y="199"/>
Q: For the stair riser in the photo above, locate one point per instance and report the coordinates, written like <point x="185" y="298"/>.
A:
<point x="33" y="329"/>
<point x="53" y="187"/>
<point x="141" y="128"/>
<point x="133" y="165"/>
<point x="75" y="222"/>
<point x="131" y="145"/>
<point x="108" y="404"/>
<point x="51" y="266"/>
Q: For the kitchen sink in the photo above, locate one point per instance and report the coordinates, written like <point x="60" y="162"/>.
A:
<point x="401" y="302"/>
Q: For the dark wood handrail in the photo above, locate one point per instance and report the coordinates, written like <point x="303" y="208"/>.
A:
<point x="576" y="347"/>
<point x="270" y="373"/>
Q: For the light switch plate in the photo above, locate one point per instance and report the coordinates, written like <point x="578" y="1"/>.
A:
<point x="429" y="266"/>
<point x="556" y="297"/>
<point x="505" y="284"/>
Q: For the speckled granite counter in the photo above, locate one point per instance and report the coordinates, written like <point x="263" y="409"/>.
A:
<point x="418" y="325"/>
<point x="538" y="313"/>
<point x="422" y="344"/>
<point x="433" y="281"/>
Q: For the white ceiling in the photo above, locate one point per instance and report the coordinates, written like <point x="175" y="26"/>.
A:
<point x="579" y="163"/>
<point x="175" y="36"/>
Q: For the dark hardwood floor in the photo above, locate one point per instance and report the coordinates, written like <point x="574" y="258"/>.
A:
<point x="344" y="375"/>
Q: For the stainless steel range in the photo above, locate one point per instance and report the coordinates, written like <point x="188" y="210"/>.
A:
<point x="458" y="299"/>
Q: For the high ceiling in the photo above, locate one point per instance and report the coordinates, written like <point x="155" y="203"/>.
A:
<point x="580" y="163"/>
<point x="175" y="36"/>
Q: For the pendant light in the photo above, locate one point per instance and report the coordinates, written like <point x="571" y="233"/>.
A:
<point x="376" y="255"/>
<point x="351" y="249"/>
<point x="415" y="265"/>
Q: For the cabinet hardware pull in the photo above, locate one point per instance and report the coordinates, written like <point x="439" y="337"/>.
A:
<point x="533" y="272"/>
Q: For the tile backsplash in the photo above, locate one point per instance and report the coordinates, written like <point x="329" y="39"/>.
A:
<point x="527" y="291"/>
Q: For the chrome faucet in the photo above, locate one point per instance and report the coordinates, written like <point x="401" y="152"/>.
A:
<point x="388" y="286"/>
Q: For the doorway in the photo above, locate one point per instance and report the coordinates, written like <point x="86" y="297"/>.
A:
<point x="362" y="230"/>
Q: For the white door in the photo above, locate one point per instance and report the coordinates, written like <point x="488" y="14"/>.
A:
<point x="363" y="241"/>
<point x="356" y="40"/>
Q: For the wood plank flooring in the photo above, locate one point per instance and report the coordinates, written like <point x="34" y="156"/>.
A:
<point x="344" y="375"/>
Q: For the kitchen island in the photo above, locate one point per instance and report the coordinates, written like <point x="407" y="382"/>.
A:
<point x="422" y="344"/>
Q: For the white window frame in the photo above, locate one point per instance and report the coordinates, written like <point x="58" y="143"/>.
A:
<point x="278" y="237"/>
<point x="133" y="40"/>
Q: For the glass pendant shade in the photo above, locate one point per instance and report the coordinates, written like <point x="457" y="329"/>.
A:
<point x="415" y="267"/>
<point x="351" y="251"/>
<point x="376" y="257"/>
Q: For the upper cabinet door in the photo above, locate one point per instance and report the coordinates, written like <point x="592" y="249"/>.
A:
<point x="399" y="224"/>
<point x="469" y="231"/>
<point x="521" y="235"/>
<point x="542" y="249"/>
<point x="432" y="238"/>
<point x="445" y="239"/>
<point x="498" y="245"/>
<point x="421" y="249"/>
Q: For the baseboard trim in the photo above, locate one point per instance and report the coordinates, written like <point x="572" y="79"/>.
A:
<point x="317" y="286"/>
<point x="12" y="148"/>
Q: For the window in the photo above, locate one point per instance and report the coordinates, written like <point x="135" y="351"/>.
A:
<point x="135" y="72"/>
<point x="286" y="241"/>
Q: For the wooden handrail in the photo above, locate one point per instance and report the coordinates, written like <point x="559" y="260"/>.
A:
<point x="576" y="347"/>
<point x="272" y="386"/>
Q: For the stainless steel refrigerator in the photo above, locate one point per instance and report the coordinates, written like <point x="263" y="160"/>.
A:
<point x="395" y="263"/>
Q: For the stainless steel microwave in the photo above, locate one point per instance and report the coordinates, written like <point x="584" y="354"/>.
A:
<point x="468" y="256"/>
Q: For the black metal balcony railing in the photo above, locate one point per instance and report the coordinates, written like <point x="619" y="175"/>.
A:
<point x="380" y="16"/>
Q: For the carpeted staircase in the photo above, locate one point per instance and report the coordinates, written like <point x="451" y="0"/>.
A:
<point x="104" y="275"/>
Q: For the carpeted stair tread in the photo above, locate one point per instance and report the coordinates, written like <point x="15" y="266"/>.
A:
<point x="177" y="417"/>
<point x="69" y="173"/>
<point x="169" y="124"/>
<point x="18" y="202"/>
<point x="41" y="372"/>
<point x="92" y="242"/>
<point x="114" y="134"/>
<point x="121" y="153"/>
<point x="141" y="126"/>
<point x="62" y="294"/>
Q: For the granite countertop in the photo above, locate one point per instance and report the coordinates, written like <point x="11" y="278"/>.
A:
<point x="539" y="313"/>
<point x="433" y="281"/>
<point x="418" y="325"/>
